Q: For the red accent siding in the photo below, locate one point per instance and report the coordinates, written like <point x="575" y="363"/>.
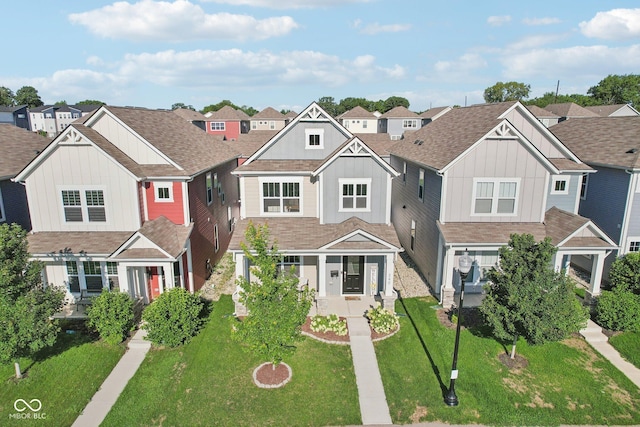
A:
<point x="231" y="132"/>
<point x="153" y="283"/>
<point x="174" y="211"/>
<point x="185" y="271"/>
<point x="141" y="191"/>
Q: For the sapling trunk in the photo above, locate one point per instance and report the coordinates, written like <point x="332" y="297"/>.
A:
<point x="513" y="347"/>
<point x="18" y="371"/>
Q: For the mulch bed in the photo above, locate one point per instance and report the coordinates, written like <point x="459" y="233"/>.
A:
<point x="518" y="362"/>
<point x="332" y="337"/>
<point x="471" y="317"/>
<point x="266" y="376"/>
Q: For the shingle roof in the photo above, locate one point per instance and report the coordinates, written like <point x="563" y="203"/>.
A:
<point x="228" y="113"/>
<point x="357" y="112"/>
<point x="568" y="165"/>
<point x="7" y="109"/>
<point x="268" y="114"/>
<point x="432" y="112"/>
<point x="74" y="242"/>
<point x="190" y="115"/>
<point x="569" y="109"/>
<point x="18" y="147"/>
<point x="280" y="165"/>
<point x="308" y="234"/>
<point x="603" y="140"/>
<point x="605" y="110"/>
<point x="446" y="138"/>
<point x="541" y="113"/>
<point x="249" y="143"/>
<point x="380" y="143"/>
<point x="185" y="144"/>
<point x="167" y="235"/>
<point x="399" y="112"/>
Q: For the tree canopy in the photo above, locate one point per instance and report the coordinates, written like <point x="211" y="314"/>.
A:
<point x="617" y="89"/>
<point x="28" y="95"/>
<point x="7" y="98"/>
<point x="508" y="91"/>
<point x="179" y="105"/>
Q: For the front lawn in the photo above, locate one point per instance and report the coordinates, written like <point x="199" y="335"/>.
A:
<point x="564" y="383"/>
<point x="64" y="378"/>
<point x="628" y="345"/>
<point x="209" y="382"/>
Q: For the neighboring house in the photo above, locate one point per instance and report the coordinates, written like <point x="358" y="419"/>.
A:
<point x="380" y="143"/>
<point x="398" y="120"/>
<point x="326" y="197"/>
<point x="479" y="174"/>
<point x="248" y="143"/>
<point x="547" y="118"/>
<point x="615" y="110"/>
<point x="268" y="119"/>
<point x="132" y="199"/>
<point x="53" y="119"/>
<point x="290" y="115"/>
<point x="228" y="123"/>
<point x="194" y="117"/>
<point x="18" y="147"/>
<point x="17" y="116"/>
<point x="433" y="113"/>
<point x="610" y="197"/>
<point x="359" y="120"/>
<point x="569" y="110"/>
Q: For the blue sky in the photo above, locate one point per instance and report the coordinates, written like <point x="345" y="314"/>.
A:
<point x="287" y="53"/>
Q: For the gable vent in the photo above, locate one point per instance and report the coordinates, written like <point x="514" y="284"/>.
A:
<point x="632" y="151"/>
<point x="418" y="142"/>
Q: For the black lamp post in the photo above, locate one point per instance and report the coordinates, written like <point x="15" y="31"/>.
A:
<point x="464" y="265"/>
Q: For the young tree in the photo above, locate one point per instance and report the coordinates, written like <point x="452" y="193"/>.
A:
<point x="526" y="297"/>
<point x="509" y="91"/>
<point x="26" y="306"/>
<point x="276" y="307"/>
<point x="28" y="95"/>
<point x="7" y="98"/>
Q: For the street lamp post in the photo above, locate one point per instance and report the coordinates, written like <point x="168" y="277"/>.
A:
<point x="464" y="265"/>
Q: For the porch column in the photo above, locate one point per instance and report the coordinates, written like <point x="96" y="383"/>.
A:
<point x="596" y="274"/>
<point x="169" y="279"/>
<point x="190" y="285"/>
<point x="388" y="284"/>
<point x="447" y="290"/>
<point x="322" y="303"/>
<point x="239" y="308"/>
<point x="123" y="280"/>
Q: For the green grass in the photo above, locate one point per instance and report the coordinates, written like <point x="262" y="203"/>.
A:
<point x="63" y="378"/>
<point x="628" y="345"/>
<point x="209" y="382"/>
<point x="564" y="383"/>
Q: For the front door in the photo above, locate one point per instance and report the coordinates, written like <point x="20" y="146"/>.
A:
<point x="353" y="275"/>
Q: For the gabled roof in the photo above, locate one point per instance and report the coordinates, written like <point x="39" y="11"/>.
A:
<point x="541" y="113"/>
<point x="164" y="240"/>
<point x="357" y="112"/>
<point x="567" y="230"/>
<point x="569" y="109"/>
<point x="17" y="148"/>
<point x="435" y="112"/>
<point x="190" y="115"/>
<point x="607" y="110"/>
<point x="610" y="141"/>
<point x="55" y="243"/>
<point x="381" y="143"/>
<point x="11" y="109"/>
<point x="228" y="113"/>
<point x="399" y="112"/>
<point x="354" y="147"/>
<point x="268" y="114"/>
<point x="249" y="143"/>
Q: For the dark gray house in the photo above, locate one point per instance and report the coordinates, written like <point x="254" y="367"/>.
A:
<point x="16" y="115"/>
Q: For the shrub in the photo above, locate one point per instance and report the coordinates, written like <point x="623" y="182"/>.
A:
<point x="111" y="315"/>
<point x="618" y="310"/>
<point x="625" y="272"/>
<point x="174" y="318"/>
<point x="330" y="323"/>
<point x="382" y="321"/>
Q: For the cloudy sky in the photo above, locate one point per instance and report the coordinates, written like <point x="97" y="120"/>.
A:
<point x="288" y="53"/>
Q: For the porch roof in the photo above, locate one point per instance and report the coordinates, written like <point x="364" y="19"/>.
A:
<point x="50" y="243"/>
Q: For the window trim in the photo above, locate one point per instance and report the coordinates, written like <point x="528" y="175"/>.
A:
<point x="557" y="178"/>
<point x="157" y="185"/>
<point x="354" y="182"/>
<point x="84" y="206"/>
<point x="308" y="132"/>
<point x="3" y="213"/>
<point x="630" y="243"/>
<point x="208" y="180"/>
<point x="584" y="186"/>
<point x="217" y="126"/>
<point x="412" y="235"/>
<point x="494" y="197"/>
<point x="280" y="181"/>
<point x="404" y="172"/>
<point x="409" y="123"/>
<point x="216" y="238"/>
<point x="421" y="186"/>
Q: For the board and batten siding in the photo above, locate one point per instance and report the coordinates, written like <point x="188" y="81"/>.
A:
<point x="529" y="127"/>
<point x="496" y="158"/>
<point x="566" y="202"/>
<point x="81" y="167"/>
<point x="606" y="200"/>
<point x="354" y="167"/>
<point x="292" y="145"/>
<point x="252" y="202"/>
<point x="127" y="142"/>
<point x="14" y="202"/>
<point x="405" y="207"/>
<point x="634" y="214"/>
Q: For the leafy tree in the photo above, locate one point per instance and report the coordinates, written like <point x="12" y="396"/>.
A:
<point x="28" y="95"/>
<point x="617" y="89"/>
<point x="393" y="102"/>
<point x="526" y="297"/>
<point x="62" y="102"/>
<point x="328" y="104"/>
<point x="551" y="98"/>
<point x="219" y="105"/>
<point x="249" y="111"/>
<point x="618" y="310"/>
<point x="26" y="306"/>
<point x="625" y="272"/>
<point x="509" y="91"/>
<point x="90" y="102"/>
<point x="276" y="307"/>
<point x="173" y="318"/>
<point x="111" y="314"/>
<point x="179" y="105"/>
<point x="7" y="98"/>
<point x="347" y="104"/>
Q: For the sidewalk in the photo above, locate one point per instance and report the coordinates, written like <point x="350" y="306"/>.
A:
<point x="373" y="401"/>
<point x="599" y="341"/>
<point x="101" y="403"/>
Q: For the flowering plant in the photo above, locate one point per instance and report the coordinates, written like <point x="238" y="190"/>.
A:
<point x="330" y="323"/>
<point x="382" y="320"/>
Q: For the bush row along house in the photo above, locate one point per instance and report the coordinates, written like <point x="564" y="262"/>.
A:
<point x="142" y="200"/>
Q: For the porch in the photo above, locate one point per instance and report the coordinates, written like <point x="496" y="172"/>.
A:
<point x="350" y="306"/>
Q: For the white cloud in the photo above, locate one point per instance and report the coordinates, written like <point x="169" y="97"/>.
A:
<point x="375" y="28"/>
<point x="178" y="21"/>
<point x="541" y="21"/>
<point x="288" y="4"/>
<point x="615" y="24"/>
<point x="496" y="21"/>
<point x="536" y="41"/>
<point x="465" y="63"/>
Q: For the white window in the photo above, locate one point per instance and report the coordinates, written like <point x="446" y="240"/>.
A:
<point x="280" y="196"/>
<point x="112" y="275"/>
<point x="272" y="125"/>
<point x="216" y="184"/>
<point x="583" y="186"/>
<point x="404" y="172"/>
<point x="559" y="185"/>
<point x="409" y="124"/>
<point x="289" y="263"/>
<point x="72" y="276"/>
<point x="72" y="205"/>
<point x="75" y="210"/>
<point x="364" y="124"/>
<point x="254" y="125"/>
<point x="634" y="246"/>
<point x="421" y="185"/>
<point x="217" y="126"/>
<point x="495" y="196"/>
<point x="314" y="138"/>
<point x="95" y="205"/>
<point x="413" y="234"/>
<point x="216" y="238"/>
<point x="3" y="216"/>
<point x="163" y="191"/>
<point x="355" y="194"/>
<point x="93" y="276"/>
<point x="209" y="182"/>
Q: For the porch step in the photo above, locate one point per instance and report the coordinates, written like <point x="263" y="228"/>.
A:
<point x="593" y="333"/>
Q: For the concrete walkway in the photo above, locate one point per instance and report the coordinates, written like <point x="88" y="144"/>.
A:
<point x="373" y="402"/>
<point x="599" y="341"/>
<point x="101" y="403"/>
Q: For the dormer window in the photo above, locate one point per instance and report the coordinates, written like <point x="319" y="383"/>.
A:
<point x="495" y="196"/>
<point x="314" y="138"/>
<point x="163" y="191"/>
<point x="560" y="185"/>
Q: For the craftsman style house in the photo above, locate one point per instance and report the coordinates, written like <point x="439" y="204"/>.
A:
<point x="326" y="198"/>
<point x="228" y="123"/>
<point x="398" y="120"/>
<point x="610" y="197"/>
<point x="479" y="174"/>
<point x="359" y="120"/>
<point x="131" y="199"/>
<point x="268" y="119"/>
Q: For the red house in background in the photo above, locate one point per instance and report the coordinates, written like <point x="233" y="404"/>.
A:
<point x="227" y="122"/>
